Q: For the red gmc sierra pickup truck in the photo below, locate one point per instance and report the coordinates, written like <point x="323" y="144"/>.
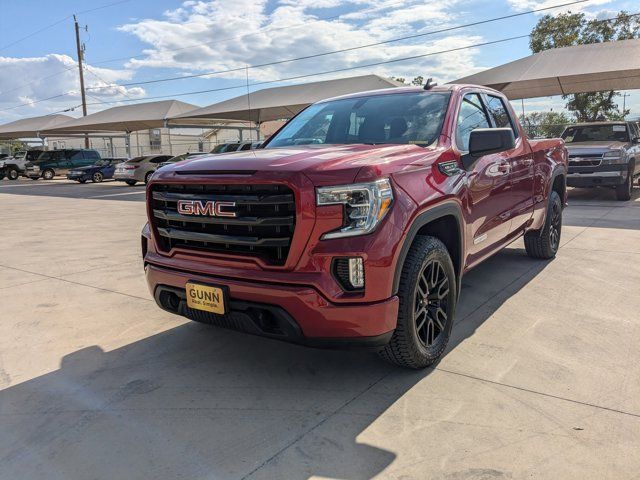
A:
<point x="356" y="221"/>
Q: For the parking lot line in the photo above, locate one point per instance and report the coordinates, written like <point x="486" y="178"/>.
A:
<point x="118" y="194"/>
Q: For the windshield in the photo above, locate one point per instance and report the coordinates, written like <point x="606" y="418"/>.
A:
<point x="51" y="155"/>
<point x="219" y="148"/>
<point x="33" y="155"/>
<point x="403" y="118"/>
<point x="596" y="133"/>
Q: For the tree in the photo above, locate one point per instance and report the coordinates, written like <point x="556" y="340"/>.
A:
<point x="575" y="29"/>
<point x="544" y="124"/>
<point x="418" y="81"/>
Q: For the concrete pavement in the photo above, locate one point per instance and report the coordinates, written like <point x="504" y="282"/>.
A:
<point x="541" y="379"/>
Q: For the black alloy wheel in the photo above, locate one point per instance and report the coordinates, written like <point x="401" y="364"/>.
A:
<point x="431" y="306"/>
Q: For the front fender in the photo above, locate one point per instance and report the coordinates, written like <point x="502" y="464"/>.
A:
<point x="430" y="214"/>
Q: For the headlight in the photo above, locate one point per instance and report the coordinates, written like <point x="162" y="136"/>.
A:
<point x="366" y="204"/>
<point x="613" y="157"/>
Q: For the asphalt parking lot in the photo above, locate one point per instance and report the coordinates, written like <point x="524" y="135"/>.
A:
<point x="540" y="380"/>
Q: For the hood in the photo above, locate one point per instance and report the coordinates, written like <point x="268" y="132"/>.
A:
<point x="315" y="161"/>
<point x="594" y="147"/>
<point x="84" y="169"/>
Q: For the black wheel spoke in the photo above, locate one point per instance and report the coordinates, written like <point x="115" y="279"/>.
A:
<point x="431" y="301"/>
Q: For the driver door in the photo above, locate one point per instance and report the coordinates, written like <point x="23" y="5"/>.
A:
<point x="488" y="182"/>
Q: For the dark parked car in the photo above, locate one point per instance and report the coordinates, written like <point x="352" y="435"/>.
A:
<point x="59" y="162"/>
<point x="604" y="154"/>
<point x="97" y="172"/>
<point x="226" y="147"/>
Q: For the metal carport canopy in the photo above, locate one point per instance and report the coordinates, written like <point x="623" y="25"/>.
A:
<point x="284" y="102"/>
<point x="125" y="118"/>
<point x="32" y="127"/>
<point x="561" y="71"/>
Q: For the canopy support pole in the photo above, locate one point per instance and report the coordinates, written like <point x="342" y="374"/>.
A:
<point x="129" y="144"/>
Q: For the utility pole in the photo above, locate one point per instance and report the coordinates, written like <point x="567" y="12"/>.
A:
<point x="80" y="48"/>
<point x="624" y="101"/>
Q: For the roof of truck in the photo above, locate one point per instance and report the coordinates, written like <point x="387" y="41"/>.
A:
<point x="410" y="89"/>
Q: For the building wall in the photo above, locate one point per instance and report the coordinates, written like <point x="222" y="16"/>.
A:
<point x="147" y="142"/>
<point x="166" y="141"/>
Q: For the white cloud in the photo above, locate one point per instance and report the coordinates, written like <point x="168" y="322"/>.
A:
<point x="255" y="32"/>
<point x="28" y="80"/>
<point x="522" y="5"/>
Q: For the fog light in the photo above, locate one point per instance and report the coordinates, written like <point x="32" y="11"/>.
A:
<point x="356" y="272"/>
<point x="349" y="272"/>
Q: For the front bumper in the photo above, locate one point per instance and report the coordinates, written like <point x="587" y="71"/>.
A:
<point x="76" y="176"/>
<point x="300" y="313"/>
<point x="595" y="179"/>
<point x="124" y="176"/>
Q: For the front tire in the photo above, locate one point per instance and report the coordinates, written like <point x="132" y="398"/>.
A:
<point x="48" y="174"/>
<point x="13" y="174"/>
<point x="625" y="191"/>
<point x="147" y="177"/>
<point x="427" y="296"/>
<point x="97" y="177"/>
<point x="544" y="243"/>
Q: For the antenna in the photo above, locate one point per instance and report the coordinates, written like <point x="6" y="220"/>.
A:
<point x="430" y="84"/>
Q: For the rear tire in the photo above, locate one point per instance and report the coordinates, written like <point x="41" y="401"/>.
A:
<point x="544" y="243"/>
<point x="131" y="183"/>
<point x="48" y="174"/>
<point x="13" y="174"/>
<point x="97" y="177"/>
<point x="427" y="294"/>
<point x="624" y="191"/>
<point x="1" y="176"/>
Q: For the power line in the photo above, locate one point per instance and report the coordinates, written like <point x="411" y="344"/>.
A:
<point x="57" y="22"/>
<point x="349" y="49"/>
<point x="338" y="70"/>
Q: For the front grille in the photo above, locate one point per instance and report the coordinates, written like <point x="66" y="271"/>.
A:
<point x="586" y="160"/>
<point x="263" y="225"/>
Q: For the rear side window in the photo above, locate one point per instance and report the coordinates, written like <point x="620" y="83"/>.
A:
<point x="471" y="116"/>
<point x="500" y="114"/>
<point x="91" y="154"/>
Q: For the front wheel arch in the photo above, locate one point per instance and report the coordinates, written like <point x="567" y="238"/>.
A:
<point x="420" y="226"/>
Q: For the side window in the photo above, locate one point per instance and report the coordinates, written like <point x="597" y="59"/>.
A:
<point x="500" y="114"/>
<point x="470" y="117"/>
<point x="76" y="158"/>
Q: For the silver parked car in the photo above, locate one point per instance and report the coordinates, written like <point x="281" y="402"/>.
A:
<point x="138" y="169"/>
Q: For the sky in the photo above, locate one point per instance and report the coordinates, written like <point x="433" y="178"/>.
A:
<point x="129" y="42"/>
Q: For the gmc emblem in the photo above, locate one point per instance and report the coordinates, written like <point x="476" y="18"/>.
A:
<point x="209" y="209"/>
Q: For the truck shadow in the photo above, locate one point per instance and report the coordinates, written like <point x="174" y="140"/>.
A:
<point x="200" y="402"/>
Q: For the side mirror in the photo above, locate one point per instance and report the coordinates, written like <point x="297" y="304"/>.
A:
<point x="485" y="141"/>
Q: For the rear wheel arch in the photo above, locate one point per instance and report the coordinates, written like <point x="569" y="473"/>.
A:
<point x="443" y="222"/>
